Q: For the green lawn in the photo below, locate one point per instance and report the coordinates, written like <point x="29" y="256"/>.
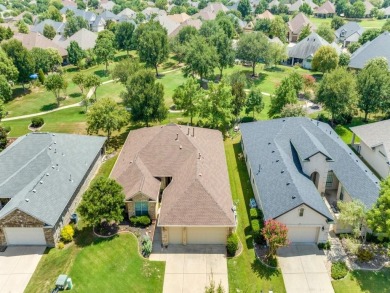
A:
<point x="246" y="273"/>
<point x="364" y="281"/>
<point x="366" y="23"/>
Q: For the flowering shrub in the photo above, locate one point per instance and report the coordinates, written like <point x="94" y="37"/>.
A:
<point x="276" y="235"/>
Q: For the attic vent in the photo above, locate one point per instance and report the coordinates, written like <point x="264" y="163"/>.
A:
<point x="180" y="146"/>
<point x="34" y="191"/>
<point x="50" y="148"/>
<point x="27" y="200"/>
<point x="177" y="136"/>
<point x="200" y="174"/>
<point x="277" y="161"/>
<point x="47" y="174"/>
<point x="55" y="142"/>
<point x="282" y="171"/>
<point x="288" y="183"/>
<point x="41" y="182"/>
<point x="293" y="197"/>
<point x="272" y="151"/>
<point x="269" y="143"/>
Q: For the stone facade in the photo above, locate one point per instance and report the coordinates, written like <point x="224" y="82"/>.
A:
<point x="164" y="236"/>
<point x="152" y="206"/>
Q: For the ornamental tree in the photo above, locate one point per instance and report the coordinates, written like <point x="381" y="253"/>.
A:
<point x="352" y="213"/>
<point x="56" y="83"/>
<point x="238" y="83"/>
<point x="124" y="36"/>
<point x="103" y="201"/>
<point x="49" y="31"/>
<point x="378" y="218"/>
<point x="325" y="59"/>
<point x="254" y="102"/>
<point x="75" y="53"/>
<point x="104" y="47"/>
<point x="276" y="235"/>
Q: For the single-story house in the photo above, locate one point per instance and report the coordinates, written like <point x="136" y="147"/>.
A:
<point x="265" y="15"/>
<point x="149" y="12"/>
<point x="36" y="40"/>
<point x="58" y="26"/>
<point x="349" y="33"/>
<point x="296" y="25"/>
<point x="386" y="12"/>
<point x="378" y="47"/>
<point x="368" y="8"/>
<point x="304" y="51"/>
<point x="168" y="23"/>
<point x="300" y="169"/>
<point x="294" y="7"/>
<point x="196" y="23"/>
<point x="325" y="10"/>
<point x="89" y="16"/>
<point x="85" y="38"/>
<point x="178" y="176"/>
<point x="374" y="145"/>
<point x="126" y="13"/>
<point x="210" y="11"/>
<point x="42" y="179"/>
<point x="107" y="5"/>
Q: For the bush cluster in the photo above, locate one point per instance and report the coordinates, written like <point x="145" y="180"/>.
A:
<point x="60" y="245"/>
<point x="232" y="244"/>
<point x="364" y="255"/>
<point x="339" y="270"/>
<point x="140" y="221"/>
<point x="256" y="213"/>
<point x="146" y="246"/>
<point x="257" y="225"/>
<point x="37" y="122"/>
<point x="324" y="246"/>
<point x="67" y="233"/>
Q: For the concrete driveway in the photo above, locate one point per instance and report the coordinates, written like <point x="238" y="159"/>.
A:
<point x="188" y="268"/>
<point x="303" y="268"/>
<point x="17" y="264"/>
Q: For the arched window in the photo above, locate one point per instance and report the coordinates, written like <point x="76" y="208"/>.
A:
<point x="301" y="210"/>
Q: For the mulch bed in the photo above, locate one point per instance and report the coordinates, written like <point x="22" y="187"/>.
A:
<point x="381" y="256"/>
<point x="107" y="229"/>
<point x="138" y="231"/>
<point x="262" y="254"/>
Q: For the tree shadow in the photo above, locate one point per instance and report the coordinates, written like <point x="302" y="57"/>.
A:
<point x="118" y="140"/>
<point x="75" y="95"/>
<point x="256" y="80"/>
<point x="275" y="69"/>
<point x="72" y="69"/>
<point x="85" y="237"/>
<point x="122" y="57"/>
<point x="101" y="73"/>
<point x="49" y="107"/>
<point x="263" y="271"/>
<point x="167" y="65"/>
<point x="317" y="76"/>
<point x="373" y="281"/>
<point x="19" y="92"/>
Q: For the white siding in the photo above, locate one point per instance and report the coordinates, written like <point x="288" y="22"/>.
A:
<point x="376" y="159"/>
<point x="317" y="164"/>
<point x="310" y="219"/>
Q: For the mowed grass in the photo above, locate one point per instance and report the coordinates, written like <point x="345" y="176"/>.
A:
<point x="364" y="281"/>
<point x="366" y="23"/>
<point x="98" y="265"/>
<point x="245" y="272"/>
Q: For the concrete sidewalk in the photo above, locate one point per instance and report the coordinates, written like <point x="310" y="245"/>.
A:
<point x="17" y="264"/>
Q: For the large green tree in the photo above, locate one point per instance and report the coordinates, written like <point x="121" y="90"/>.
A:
<point x="124" y="69"/>
<point x="104" y="48"/>
<point x="56" y="83"/>
<point x="201" y="58"/>
<point x="305" y="32"/>
<point x="7" y="68"/>
<point x="103" y="201"/>
<point x="145" y="97"/>
<point x="49" y="31"/>
<point x="216" y="106"/>
<point x="92" y="81"/>
<point x="284" y="94"/>
<point x="252" y="47"/>
<point x="152" y="46"/>
<point x="21" y="58"/>
<point x="254" y="102"/>
<point x="244" y="7"/>
<point x="5" y="89"/>
<point x="225" y="52"/>
<point x="337" y="92"/>
<point x="326" y="32"/>
<point x="278" y="28"/>
<point x="353" y="214"/>
<point x="79" y="80"/>
<point x="75" y="53"/>
<point x="124" y="36"/>
<point x="337" y="22"/>
<point x="187" y="97"/>
<point x="373" y="84"/>
<point x="238" y="84"/>
<point x="74" y="24"/>
<point x="276" y="53"/>
<point x="107" y="116"/>
<point x="378" y="218"/>
<point x="325" y="59"/>
<point x="369" y="35"/>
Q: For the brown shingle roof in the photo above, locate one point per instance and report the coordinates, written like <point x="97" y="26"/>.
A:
<point x="34" y="39"/>
<point x="326" y="8"/>
<point x="265" y="15"/>
<point x="298" y="22"/>
<point x="199" y="193"/>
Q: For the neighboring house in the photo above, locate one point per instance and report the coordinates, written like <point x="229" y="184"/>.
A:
<point x="273" y="3"/>
<point x="87" y="15"/>
<point x="349" y="33"/>
<point x="58" y="26"/>
<point x="126" y="14"/>
<point x="386" y="12"/>
<point x="295" y="6"/>
<point x="36" y="40"/>
<point x="369" y="7"/>
<point x="179" y="18"/>
<point x="265" y="15"/>
<point x="150" y="12"/>
<point x="178" y="176"/>
<point x="107" y="5"/>
<point x="42" y="179"/>
<point x="85" y="38"/>
<point x="304" y="51"/>
<point x="276" y="40"/>
<point x="299" y="169"/>
<point x="196" y="23"/>
<point x="374" y="145"/>
<point x="210" y="11"/>
<point x="378" y="47"/>
<point x="296" y="25"/>
<point x="69" y="3"/>
<point x="168" y="23"/>
<point x="325" y="10"/>
<point x="99" y="24"/>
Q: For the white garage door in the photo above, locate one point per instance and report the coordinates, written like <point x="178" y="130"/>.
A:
<point x="303" y="234"/>
<point x="25" y="236"/>
<point x="206" y="235"/>
<point x="175" y="235"/>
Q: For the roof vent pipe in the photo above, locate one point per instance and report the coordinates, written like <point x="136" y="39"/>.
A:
<point x="188" y="132"/>
<point x="177" y="136"/>
<point x="193" y="131"/>
<point x="199" y="156"/>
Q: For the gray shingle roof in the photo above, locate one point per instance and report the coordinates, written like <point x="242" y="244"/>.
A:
<point x="85" y="38"/>
<point x="58" y="26"/>
<point x="273" y="146"/>
<point x="378" y="47"/>
<point x="307" y="47"/>
<point x="36" y="171"/>
<point x="348" y="29"/>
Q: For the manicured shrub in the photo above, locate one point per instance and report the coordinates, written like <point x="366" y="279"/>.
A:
<point x="37" y="122"/>
<point x="140" y="221"/>
<point x="352" y="245"/>
<point x="364" y="255"/>
<point x="7" y="128"/>
<point x="60" y="245"/>
<point x="256" y="213"/>
<point x="258" y="238"/>
<point x="147" y="246"/>
<point x="324" y="246"/>
<point x="339" y="270"/>
<point x="232" y="244"/>
<point x="255" y="223"/>
<point x="41" y="76"/>
<point x="67" y="233"/>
